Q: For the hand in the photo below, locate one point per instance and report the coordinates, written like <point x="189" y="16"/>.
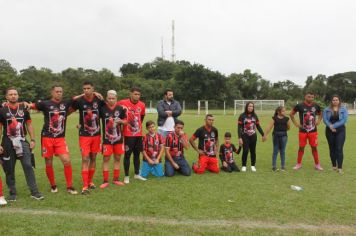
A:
<point x="98" y="95"/>
<point x="181" y="133"/>
<point x="175" y="165"/>
<point x="331" y="126"/>
<point x="156" y="161"/>
<point x="264" y="138"/>
<point x="201" y="152"/>
<point x="224" y="164"/>
<point x="1" y="149"/>
<point x="169" y="113"/>
<point x="241" y="142"/>
<point x="27" y="105"/>
<point x="32" y="144"/>
<point x="333" y="130"/>
<point x="151" y="162"/>
<point x="78" y="126"/>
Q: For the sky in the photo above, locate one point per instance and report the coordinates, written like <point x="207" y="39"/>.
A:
<point x="278" y="39"/>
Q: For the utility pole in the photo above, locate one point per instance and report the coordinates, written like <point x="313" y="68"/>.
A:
<point x="173" y="53"/>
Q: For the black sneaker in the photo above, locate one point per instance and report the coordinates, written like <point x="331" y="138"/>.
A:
<point x="274" y="169"/>
<point x="37" y="196"/>
<point x="12" y="198"/>
<point x="72" y="191"/>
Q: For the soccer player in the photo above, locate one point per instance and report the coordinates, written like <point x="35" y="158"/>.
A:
<point x="207" y="148"/>
<point x="135" y="113"/>
<point x="113" y="118"/>
<point x="153" y="149"/>
<point x="89" y="106"/>
<point x="53" y="141"/>
<point x="309" y="118"/>
<point x="15" y="123"/>
<point x="226" y="153"/>
<point x="176" y="142"/>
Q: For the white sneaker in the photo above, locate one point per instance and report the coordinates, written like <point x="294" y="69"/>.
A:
<point x="127" y="180"/>
<point x="139" y="177"/>
<point x="3" y="202"/>
<point x="253" y="168"/>
<point x="243" y="169"/>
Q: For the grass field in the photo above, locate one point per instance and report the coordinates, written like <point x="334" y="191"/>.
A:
<point x="260" y="203"/>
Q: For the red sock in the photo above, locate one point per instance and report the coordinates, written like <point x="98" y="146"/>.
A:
<point x="85" y="177"/>
<point x="50" y="175"/>
<point x="106" y="175"/>
<point x="316" y="156"/>
<point x="116" y="174"/>
<point x="91" y="175"/>
<point x="68" y="175"/>
<point x="300" y="156"/>
<point x="1" y="193"/>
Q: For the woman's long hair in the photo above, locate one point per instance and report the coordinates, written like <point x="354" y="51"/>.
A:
<point x="246" y="108"/>
<point x="277" y="111"/>
<point x="331" y="101"/>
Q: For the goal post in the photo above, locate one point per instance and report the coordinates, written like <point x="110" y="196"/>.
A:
<point x="203" y="105"/>
<point x="262" y="105"/>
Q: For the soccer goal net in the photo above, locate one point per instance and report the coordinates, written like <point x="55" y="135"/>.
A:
<point x="268" y="105"/>
<point x="203" y="105"/>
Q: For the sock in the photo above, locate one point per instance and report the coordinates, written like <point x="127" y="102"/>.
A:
<point x="85" y="178"/>
<point x="91" y="175"/>
<point x="50" y="175"/>
<point x="116" y="174"/>
<point x="106" y="175"/>
<point x="1" y="193"/>
<point x="300" y="156"/>
<point x="316" y="157"/>
<point x="68" y="175"/>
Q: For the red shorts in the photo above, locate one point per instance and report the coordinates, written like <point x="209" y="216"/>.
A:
<point x="89" y="144"/>
<point x="109" y="149"/>
<point x="311" y="137"/>
<point x="53" y="146"/>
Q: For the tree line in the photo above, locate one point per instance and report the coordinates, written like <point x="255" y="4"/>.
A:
<point x="191" y="82"/>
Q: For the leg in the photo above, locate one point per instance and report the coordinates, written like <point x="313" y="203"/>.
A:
<point x="168" y="169"/>
<point x="136" y="152"/>
<point x="85" y="171"/>
<point x="275" y="151"/>
<point x="28" y="169"/>
<point x="234" y="167"/>
<point x="283" y="145"/>
<point x="129" y="145"/>
<point x="117" y="158"/>
<point x="92" y="166"/>
<point x="68" y="173"/>
<point x="106" y="161"/>
<point x="331" y="142"/>
<point x="9" y="169"/>
<point x="313" y="141"/>
<point x="184" y="167"/>
<point x="145" y="169"/>
<point x="302" y="143"/>
<point x="203" y="163"/>
<point x="213" y="165"/>
<point x="157" y="170"/>
<point x="340" y="140"/>
<point x="253" y="142"/>
<point x="50" y="171"/>
<point x="245" y="150"/>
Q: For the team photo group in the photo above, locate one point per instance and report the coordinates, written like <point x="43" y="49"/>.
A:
<point x="116" y="129"/>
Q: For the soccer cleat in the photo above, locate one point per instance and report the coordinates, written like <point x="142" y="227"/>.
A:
<point x="118" y="183"/>
<point x="72" y="191"/>
<point x="104" y="185"/>
<point x="37" y="196"/>
<point x="127" y="180"/>
<point x="318" y="167"/>
<point x="3" y="202"/>
<point x="139" y="177"/>
<point x="253" y="169"/>
<point x="92" y="186"/>
<point x="243" y="169"/>
<point x="297" y="166"/>
<point x="54" y="189"/>
<point x="85" y="191"/>
<point x="12" y="198"/>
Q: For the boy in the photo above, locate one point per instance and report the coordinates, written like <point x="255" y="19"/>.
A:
<point x="226" y="154"/>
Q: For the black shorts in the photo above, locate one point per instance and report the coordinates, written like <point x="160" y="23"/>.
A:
<point x="133" y="144"/>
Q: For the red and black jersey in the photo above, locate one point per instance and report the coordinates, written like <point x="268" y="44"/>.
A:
<point x="55" y="117"/>
<point x="247" y="124"/>
<point x="135" y="113"/>
<point x="307" y="116"/>
<point x="226" y="153"/>
<point x="152" y="145"/>
<point x="208" y="138"/>
<point x="13" y="119"/>
<point x="112" y="130"/>
<point x="89" y="116"/>
<point x="176" y="148"/>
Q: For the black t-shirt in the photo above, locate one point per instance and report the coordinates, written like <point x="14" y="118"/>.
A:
<point x="89" y="117"/>
<point x="280" y="125"/>
<point x="55" y="117"/>
<point x="13" y="119"/>
<point x="112" y="131"/>
<point x="207" y="140"/>
<point x="307" y="116"/>
<point x="226" y="153"/>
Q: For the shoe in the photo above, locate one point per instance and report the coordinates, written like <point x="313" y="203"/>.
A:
<point x="37" y="196"/>
<point x="283" y="168"/>
<point x="54" y="189"/>
<point x="297" y="167"/>
<point x="3" y="202"/>
<point x="118" y="183"/>
<point x="72" y="191"/>
<point x="127" y="180"/>
<point x="340" y="171"/>
<point x="334" y="168"/>
<point x="12" y="198"/>
<point x="104" y="185"/>
<point x="253" y="169"/>
<point x="139" y="177"/>
<point x="318" y="167"/>
<point x="243" y="169"/>
<point x="274" y="169"/>
<point x="85" y="191"/>
<point x="92" y="186"/>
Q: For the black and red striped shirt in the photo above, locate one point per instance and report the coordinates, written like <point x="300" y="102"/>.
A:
<point x="152" y="145"/>
<point x="173" y="142"/>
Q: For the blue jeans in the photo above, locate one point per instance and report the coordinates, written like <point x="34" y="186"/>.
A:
<point x="155" y="170"/>
<point x="184" y="167"/>
<point x="279" y="145"/>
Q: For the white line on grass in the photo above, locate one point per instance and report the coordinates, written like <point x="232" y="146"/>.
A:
<point x="248" y="224"/>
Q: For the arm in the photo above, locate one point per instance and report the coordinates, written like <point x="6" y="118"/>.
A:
<point x="319" y="119"/>
<point x="325" y="118"/>
<point x="148" y="159"/>
<point x="342" y="121"/>
<point x="170" y="159"/>
<point x="192" y="142"/>
<point x="258" y="126"/>
<point x="292" y="113"/>
<point x="177" y="110"/>
<point x="288" y="125"/>
<point x="268" y="129"/>
<point x="31" y="132"/>
<point x="160" y="154"/>
<point x="183" y="139"/>
<point x="1" y="148"/>
<point x="160" y="110"/>
<point x="239" y="130"/>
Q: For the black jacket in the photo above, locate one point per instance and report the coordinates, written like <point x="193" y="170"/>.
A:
<point x="163" y="106"/>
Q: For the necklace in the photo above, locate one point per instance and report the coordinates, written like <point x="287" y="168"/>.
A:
<point x="17" y="111"/>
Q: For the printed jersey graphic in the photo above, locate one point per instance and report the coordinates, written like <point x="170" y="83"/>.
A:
<point x="134" y="120"/>
<point x="112" y="129"/>
<point x="308" y="121"/>
<point x="209" y="146"/>
<point x="134" y="115"/>
<point x="56" y="122"/>
<point x="249" y="126"/>
<point x="91" y="121"/>
<point x="15" y="127"/>
<point x="13" y="120"/>
<point x="307" y="116"/>
<point x="207" y="140"/>
<point x="229" y="155"/>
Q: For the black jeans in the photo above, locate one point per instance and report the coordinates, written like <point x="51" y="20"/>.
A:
<point x="230" y="167"/>
<point x="336" y="144"/>
<point x="249" y="145"/>
<point x="132" y="145"/>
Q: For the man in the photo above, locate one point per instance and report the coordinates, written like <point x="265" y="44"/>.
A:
<point x="168" y="110"/>
<point x="207" y="148"/>
<point x="310" y="117"/>
<point x="176" y="142"/>
<point x="53" y="141"/>
<point x="89" y="106"/>
<point x="135" y="113"/>
<point x="15" y="122"/>
<point x="113" y="118"/>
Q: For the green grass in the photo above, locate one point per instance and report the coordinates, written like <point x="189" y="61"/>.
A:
<point x="264" y="196"/>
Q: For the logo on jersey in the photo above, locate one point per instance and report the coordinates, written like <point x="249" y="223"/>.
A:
<point x="62" y="107"/>
<point x="95" y="105"/>
<point x="21" y="113"/>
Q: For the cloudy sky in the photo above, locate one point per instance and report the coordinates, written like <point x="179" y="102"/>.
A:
<point x="279" y="39"/>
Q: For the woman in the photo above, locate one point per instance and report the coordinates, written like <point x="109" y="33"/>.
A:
<point x="335" y="117"/>
<point x="246" y="131"/>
